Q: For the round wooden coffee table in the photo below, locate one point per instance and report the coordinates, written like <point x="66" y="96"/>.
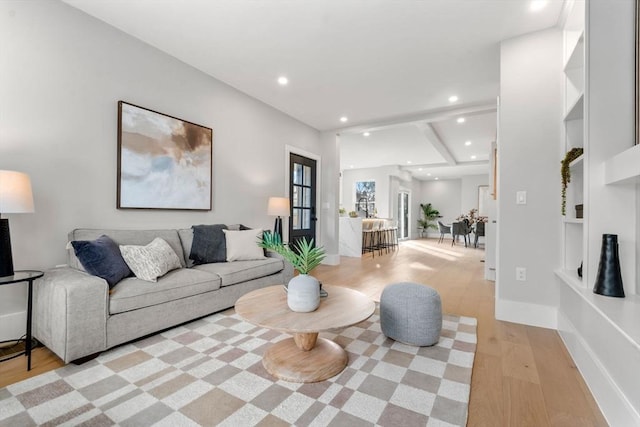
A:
<point x="304" y="358"/>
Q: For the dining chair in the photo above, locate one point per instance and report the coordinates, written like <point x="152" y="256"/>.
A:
<point x="443" y="229"/>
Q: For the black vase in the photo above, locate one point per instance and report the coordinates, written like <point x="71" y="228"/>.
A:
<point x="609" y="280"/>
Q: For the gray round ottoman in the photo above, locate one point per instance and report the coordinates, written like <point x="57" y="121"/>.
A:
<point x="411" y="313"/>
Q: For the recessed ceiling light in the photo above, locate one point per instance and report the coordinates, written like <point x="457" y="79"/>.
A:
<point x="436" y="178"/>
<point x="366" y="134"/>
<point x="343" y="119"/>
<point x="460" y="120"/>
<point x="408" y="162"/>
<point x="467" y="143"/>
<point x="428" y="174"/>
<point x="453" y="98"/>
<point x="537" y="5"/>
<point x="351" y="166"/>
<point x="473" y="157"/>
<point x="420" y="169"/>
<point x="283" y="81"/>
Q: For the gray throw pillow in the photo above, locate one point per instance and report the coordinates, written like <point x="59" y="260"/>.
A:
<point x="151" y="261"/>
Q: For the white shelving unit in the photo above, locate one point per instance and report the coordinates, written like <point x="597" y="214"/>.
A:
<point x="601" y="333"/>
<point x="574" y="76"/>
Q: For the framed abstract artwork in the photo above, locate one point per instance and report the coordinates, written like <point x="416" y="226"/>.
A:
<point x="163" y="162"/>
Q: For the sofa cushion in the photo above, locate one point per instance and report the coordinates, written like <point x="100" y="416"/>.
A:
<point x="126" y="237"/>
<point x="243" y="245"/>
<point x="102" y="258"/>
<point x="241" y="271"/>
<point x="151" y="261"/>
<point x="208" y="244"/>
<point x="186" y="238"/>
<point x="133" y="293"/>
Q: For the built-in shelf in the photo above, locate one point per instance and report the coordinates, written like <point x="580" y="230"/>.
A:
<point x="577" y="109"/>
<point x="573" y="220"/>
<point x="623" y="168"/>
<point x="622" y="313"/>
<point x="577" y="162"/>
<point x="576" y="57"/>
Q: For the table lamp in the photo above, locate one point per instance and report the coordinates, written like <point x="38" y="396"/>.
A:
<point x="15" y="197"/>
<point x="278" y="207"/>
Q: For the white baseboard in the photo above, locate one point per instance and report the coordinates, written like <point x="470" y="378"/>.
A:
<point x="614" y="405"/>
<point x="331" y="259"/>
<point x="528" y="314"/>
<point x="14" y="325"/>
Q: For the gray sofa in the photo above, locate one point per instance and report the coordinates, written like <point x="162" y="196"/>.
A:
<point x="75" y="315"/>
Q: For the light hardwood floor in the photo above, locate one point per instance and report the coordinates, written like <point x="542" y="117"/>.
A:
<point x="522" y="375"/>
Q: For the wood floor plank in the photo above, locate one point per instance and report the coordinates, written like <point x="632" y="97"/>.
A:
<point x="525" y="405"/>
<point x="566" y="405"/>
<point x="516" y="370"/>
<point x="486" y="409"/>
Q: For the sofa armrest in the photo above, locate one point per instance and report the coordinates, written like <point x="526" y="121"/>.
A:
<point x="288" y="267"/>
<point x="70" y="312"/>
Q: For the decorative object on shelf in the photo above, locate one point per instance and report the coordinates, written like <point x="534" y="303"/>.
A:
<point x="278" y="207"/>
<point x="303" y="291"/>
<point x="580" y="270"/>
<point x="163" y="162"/>
<point x="565" y="171"/>
<point x="15" y="197"/>
<point x="579" y="211"/>
<point x="609" y="279"/>
<point x="429" y="217"/>
<point x="342" y="212"/>
<point x="353" y="214"/>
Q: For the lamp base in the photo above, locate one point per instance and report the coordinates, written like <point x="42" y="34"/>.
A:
<point x="6" y="260"/>
<point x="277" y="227"/>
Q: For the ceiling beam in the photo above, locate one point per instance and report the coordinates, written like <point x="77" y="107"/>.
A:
<point x="429" y="166"/>
<point x="424" y="116"/>
<point x="427" y="130"/>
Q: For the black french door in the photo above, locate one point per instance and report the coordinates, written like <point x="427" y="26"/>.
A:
<point x="302" y="197"/>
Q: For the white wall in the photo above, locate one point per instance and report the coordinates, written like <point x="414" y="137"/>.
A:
<point x="61" y="77"/>
<point x="469" y="191"/>
<point x="445" y="196"/>
<point x="529" y="153"/>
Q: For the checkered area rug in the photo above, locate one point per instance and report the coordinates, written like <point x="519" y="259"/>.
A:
<point x="209" y="372"/>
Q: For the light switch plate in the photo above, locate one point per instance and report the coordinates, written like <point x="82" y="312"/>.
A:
<point x="521" y="197"/>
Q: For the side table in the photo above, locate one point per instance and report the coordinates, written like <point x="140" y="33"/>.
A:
<point x="25" y="276"/>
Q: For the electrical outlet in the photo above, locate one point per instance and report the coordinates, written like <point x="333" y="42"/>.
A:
<point x="521" y="197"/>
<point x="521" y="274"/>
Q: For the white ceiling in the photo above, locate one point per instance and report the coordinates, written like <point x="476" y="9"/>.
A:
<point x="378" y="62"/>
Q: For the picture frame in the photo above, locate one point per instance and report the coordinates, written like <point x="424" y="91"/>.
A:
<point x="163" y="162"/>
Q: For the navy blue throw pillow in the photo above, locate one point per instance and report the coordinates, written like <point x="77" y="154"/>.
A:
<point x="209" y="244"/>
<point x="102" y="258"/>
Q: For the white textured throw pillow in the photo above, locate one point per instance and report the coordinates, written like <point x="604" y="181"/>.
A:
<point x="243" y="245"/>
<point x="151" y="261"/>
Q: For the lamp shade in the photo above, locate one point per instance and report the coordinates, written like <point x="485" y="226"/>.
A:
<point x="15" y="192"/>
<point x="278" y="206"/>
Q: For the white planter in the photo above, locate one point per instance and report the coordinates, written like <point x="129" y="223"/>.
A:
<point x="303" y="293"/>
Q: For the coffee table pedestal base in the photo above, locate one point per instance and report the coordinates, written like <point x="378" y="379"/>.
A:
<point x="286" y="361"/>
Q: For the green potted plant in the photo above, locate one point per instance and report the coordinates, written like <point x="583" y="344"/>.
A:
<point x="303" y="291"/>
<point x="429" y="217"/>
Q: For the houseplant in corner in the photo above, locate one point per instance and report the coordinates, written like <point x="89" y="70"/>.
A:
<point x="303" y="291"/>
<point x="429" y="217"/>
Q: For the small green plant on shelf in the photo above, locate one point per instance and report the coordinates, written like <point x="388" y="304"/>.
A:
<point x="565" y="171"/>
